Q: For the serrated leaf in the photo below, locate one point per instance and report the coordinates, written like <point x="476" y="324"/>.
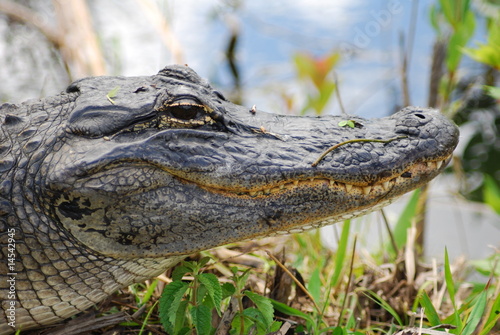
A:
<point x="179" y="272"/>
<point x="179" y="327"/>
<point x="228" y="290"/>
<point x="212" y="285"/>
<point x="171" y="298"/>
<point x="241" y="324"/>
<point x="202" y="262"/>
<point x="264" y="305"/>
<point x="202" y="318"/>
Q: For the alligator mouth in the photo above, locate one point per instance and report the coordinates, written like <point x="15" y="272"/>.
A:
<point x="426" y="170"/>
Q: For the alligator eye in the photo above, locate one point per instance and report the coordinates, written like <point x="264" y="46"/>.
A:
<point x="185" y="111"/>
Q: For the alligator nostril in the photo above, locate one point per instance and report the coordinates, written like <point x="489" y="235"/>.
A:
<point x="420" y="116"/>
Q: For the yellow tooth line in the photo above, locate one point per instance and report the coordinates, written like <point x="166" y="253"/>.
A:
<point x="383" y="186"/>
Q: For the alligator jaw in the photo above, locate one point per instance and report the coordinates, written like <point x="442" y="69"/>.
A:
<point x="418" y="170"/>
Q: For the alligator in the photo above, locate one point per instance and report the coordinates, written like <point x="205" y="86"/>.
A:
<point x="118" y="178"/>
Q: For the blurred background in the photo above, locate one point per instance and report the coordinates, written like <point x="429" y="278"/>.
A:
<point x="291" y="57"/>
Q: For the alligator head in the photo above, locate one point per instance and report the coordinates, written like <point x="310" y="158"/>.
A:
<point x="165" y="165"/>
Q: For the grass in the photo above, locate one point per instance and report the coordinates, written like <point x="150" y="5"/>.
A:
<point x="259" y="287"/>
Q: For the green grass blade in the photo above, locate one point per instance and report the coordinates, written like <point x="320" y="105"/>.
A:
<point x="476" y="314"/>
<point x="378" y="300"/>
<point x="149" y="292"/>
<point x="314" y="285"/>
<point x="404" y="221"/>
<point x="430" y="311"/>
<point x="489" y="325"/>
<point x="283" y="308"/>
<point x="341" y="252"/>
<point x="450" y="285"/>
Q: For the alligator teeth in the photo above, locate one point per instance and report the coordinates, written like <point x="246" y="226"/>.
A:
<point x="385" y="185"/>
<point x="431" y="165"/>
<point x="252" y="193"/>
<point x="275" y="189"/>
<point x="439" y="164"/>
<point x="296" y="182"/>
<point x="267" y="191"/>
<point x="348" y="187"/>
<point x="366" y="190"/>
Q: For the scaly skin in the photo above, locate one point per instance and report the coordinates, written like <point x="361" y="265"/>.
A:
<point x="116" y="179"/>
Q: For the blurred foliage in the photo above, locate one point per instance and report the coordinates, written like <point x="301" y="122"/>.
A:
<point x="317" y="71"/>
<point x="472" y="100"/>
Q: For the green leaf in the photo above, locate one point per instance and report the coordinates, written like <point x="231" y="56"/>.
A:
<point x="430" y="311"/>
<point x="339" y="331"/>
<point x="492" y="91"/>
<point x="264" y="305"/>
<point x="111" y="94"/>
<point x="211" y="283"/>
<point x="491" y="193"/>
<point x="171" y="298"/>
<point x="180" y="319"/>
<point x="448" y="9"/>
<point x="228" y="290"/>
<point x="476" y="314"/>
<point x="202" y="319"/>
<point x="242" y="322"/>
<point x="179" y="272"/>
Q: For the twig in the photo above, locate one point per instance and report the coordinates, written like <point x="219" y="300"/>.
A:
<point x="356" y="140"/>
<point x="151" y="9"/>
<point x="299" y="284"/>
<point x="27" y="16"/>
<point x="391" y="235"/>
<point x="337" y="92"/>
